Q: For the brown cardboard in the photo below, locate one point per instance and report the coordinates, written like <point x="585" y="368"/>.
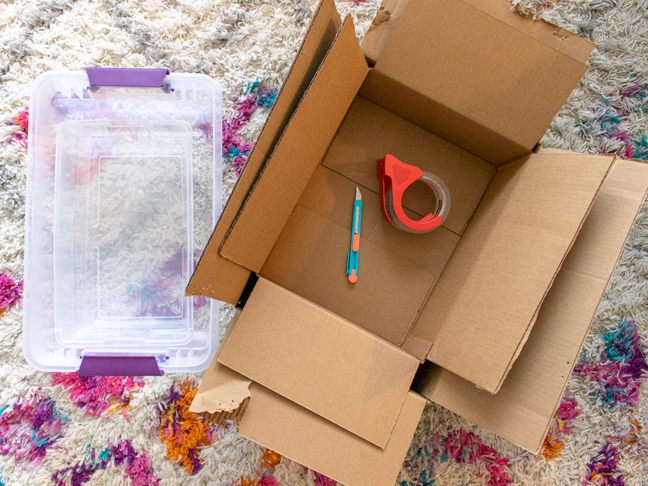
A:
<point x="439" y="119"/>
<point x="299" y="434"/>
<point x="508" y="77"/>
<point x="303" y="436"/>
<point x="389" y="291"/>
<point x="380" y="30"/>
<point x="274" y="196"/>
<point x="293" y="431"/>
<point x="320" y="361"/>
<point x="486" y="273"/>
<point x="549" y="34"/>
<point x="481" y="311"/>
<point x="370" y="131"/>
<point x="232" y="277"/>
<point x="222" y="391"/>
<point x="523" y="408"/>
<point x="397" y="269"/>
<point x="391" y="10"/>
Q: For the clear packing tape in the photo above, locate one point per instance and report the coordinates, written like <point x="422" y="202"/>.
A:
<point x="395" y="177"/>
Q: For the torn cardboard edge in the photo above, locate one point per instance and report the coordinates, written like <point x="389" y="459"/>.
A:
<point x="223" y="393"/>
<point x="222" y="417"/>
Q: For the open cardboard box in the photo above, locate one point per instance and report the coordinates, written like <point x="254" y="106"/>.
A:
<point x="487" y="314"/>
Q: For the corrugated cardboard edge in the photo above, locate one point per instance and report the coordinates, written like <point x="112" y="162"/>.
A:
<point x="221" y="418"/>
<point x="585" y="334"/>
<point x="258" y="225"/>
<point x="232" y="278"/>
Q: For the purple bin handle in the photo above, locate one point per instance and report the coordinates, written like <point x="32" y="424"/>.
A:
<point x="119" y="366"/>
<point x="135" y="77"/>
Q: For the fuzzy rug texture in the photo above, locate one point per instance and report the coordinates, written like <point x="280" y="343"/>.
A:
<point x="60" y="429"/>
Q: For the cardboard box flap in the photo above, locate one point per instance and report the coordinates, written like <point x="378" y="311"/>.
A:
<point x="231" y="277"/>
<point x="485" y="64"/>
<point x="300" y="149"/>
<point x="524" y="407"/>
<point x="280" y="425"/>
<point x="303" y="436"/>
<point x="487" y="299"/>
<point x="320" y="361"/>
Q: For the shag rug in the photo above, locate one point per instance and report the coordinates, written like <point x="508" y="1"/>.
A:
<point x="60" y="429"/>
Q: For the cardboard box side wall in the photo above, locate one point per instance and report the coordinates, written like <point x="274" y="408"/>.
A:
<point x="232" y="278"/>
<point x="370" y="131"/>
<point x="524" y="406"/>
<point x="303" y="144"/>
<point x="439" y="119"/>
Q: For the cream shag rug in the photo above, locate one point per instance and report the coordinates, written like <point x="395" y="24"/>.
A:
<point x="63" y="430"/>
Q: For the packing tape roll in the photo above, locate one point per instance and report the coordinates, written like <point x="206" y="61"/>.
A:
<point x="395" y="177"/>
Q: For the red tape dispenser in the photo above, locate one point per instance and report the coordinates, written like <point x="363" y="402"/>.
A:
<point x="395" y="177"/>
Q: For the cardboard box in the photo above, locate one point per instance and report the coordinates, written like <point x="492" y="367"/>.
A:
<point x="486" y="315"/>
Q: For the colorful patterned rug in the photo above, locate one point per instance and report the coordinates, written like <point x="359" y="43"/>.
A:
<point x="61" y="429"/>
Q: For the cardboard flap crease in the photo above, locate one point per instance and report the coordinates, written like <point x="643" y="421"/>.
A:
<point x="506" y="262"/>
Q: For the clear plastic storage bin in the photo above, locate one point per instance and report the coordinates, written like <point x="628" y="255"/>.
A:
<point x="123" y="191"/>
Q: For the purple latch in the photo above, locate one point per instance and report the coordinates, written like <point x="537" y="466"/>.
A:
<point x="119" y="366"/>
<point x="127" y="77"/>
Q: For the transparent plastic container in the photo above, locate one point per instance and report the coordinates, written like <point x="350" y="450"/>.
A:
<point x="123" y="191"/>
